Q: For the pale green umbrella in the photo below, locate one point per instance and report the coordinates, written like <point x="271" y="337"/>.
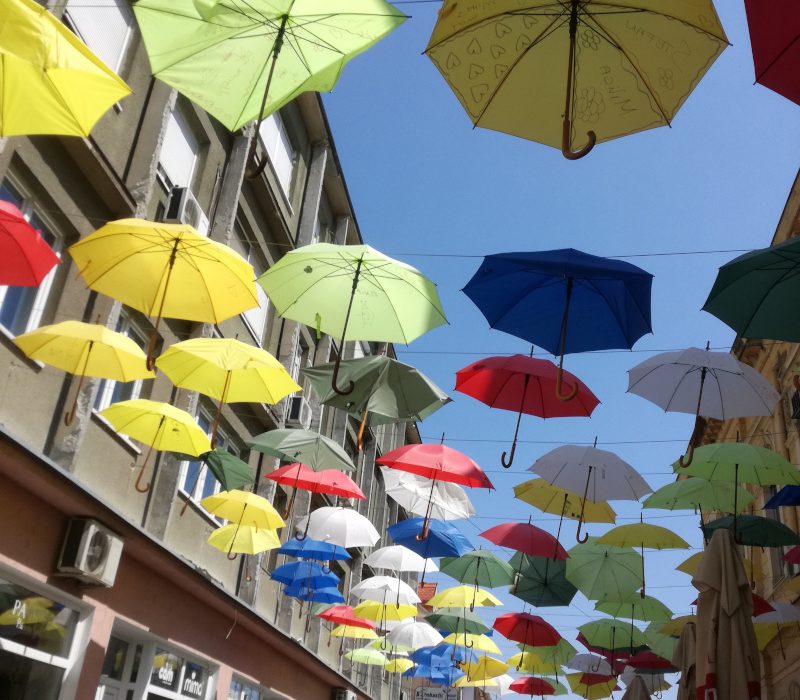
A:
<point x="696" y="493"/>
<point x="478" y="567"/>
<point x="353" y="292"/>
<point x="598" y="570"/>
<point x="366" y="655"/>
<point x="740" y="462"/>
<point x="613" y="635"/>
<point x="634" y="607"/>
<point x="304" y="446"/>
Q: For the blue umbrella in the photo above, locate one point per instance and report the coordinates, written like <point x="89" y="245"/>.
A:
<point x="442" y="655"/>
<point x="443" y="540"/>
<point x="302" y="591"/>
<point x="313" y="549"/>
<point x="307" y="572"/>
<point x="787" y="496"/>
<point x="564" y="301"/>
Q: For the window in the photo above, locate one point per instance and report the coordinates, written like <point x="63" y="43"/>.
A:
<point x="179" y="151"/>
<point x="21" y="308"/>
<point x="242" y="243"/>
<point x="280" y="150"/>
<point x="243" y="691"/>
<point x="114" y="392"/>
<point x="105" y="26"/>
<point x="323" y="224"/>
<point x="197" y="480"/>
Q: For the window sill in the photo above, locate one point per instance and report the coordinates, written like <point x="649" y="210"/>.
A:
<point x="127" y="443"/>
<point x="8" y="337"/>
<point x="198" y="509"/>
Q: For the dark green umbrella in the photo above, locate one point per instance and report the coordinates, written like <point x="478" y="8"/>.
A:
<point x="479" y="567"/>
<point x="755" y="531"/>
<point x="756" y="294"/>
<point x="458" y="620"/>
<point x="304" y="446"/>
<point x="542" y="581"/>
<point x="384" y="390"/>
<point x="229" y="470"/>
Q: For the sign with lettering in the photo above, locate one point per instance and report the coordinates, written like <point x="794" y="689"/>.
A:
<point x="437" y="694"/>
<point x="166" y="670"/>
<point x="194" y="680"/>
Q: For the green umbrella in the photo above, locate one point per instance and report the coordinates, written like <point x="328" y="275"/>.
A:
<point x="755" y="531"/>
<point x="479" y="567"/>
<point x="366" y="655"/>
<point x="756" y="294"/>
<point x="696" y="493"/>
<point x="458" y="620"/>
<point x="354" y="292"/>
<point x="385" y="390"/>
<point x="304" y="446"/>
<point x="558" y="654"/>
<point x="558" y="687"/>
<point x="613" y="635"/>
<point x="736" y="462"/>
<point x="542" y="581"/>
<point x="598" y="570"/>
<point x="229" y="470"/>
<point x="634" y="607"/>
<point x="660" y="644"/>
<point x="241" y="60"/>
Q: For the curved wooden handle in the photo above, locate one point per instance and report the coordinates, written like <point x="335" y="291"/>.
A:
<point x="566" y="148"/>
<point x="571" y="394"/>
<point x="335" y="378"/>
<point x="69" y="416"/>
<point x="426" y="526"/>
<point x="151" y="350"/>
<point x="138" y="484"/>
<point x="686" y="460"/>
<point x="232" y="555"/>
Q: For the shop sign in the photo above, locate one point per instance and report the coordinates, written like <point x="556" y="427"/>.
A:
<point x="194" y="680"/>
<point x="437" y="694"/>
<point x="166" y="671"/>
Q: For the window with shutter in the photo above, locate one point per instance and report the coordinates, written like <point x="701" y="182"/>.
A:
<point x="105" y="26"/>
<point x="179" y="151"/>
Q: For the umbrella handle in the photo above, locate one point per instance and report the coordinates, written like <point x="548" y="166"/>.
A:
<point x="150" y="361"/>
<point x="572" y="393"/>
<point x="583" y="506"/>
<point x="507" y="465"/>
<point x="426" y="526"/>
<point x="138" y="484"/>
<point x="285" y="514"/>
<point x="578" y="538"/>
<point x="686" y="460"/>
<point x="361" y="428"/>
<point x="302" y="537"/>
<point x="335" y="378"/>
<point x="566" y="149"/>
<point x="326" y="568"/>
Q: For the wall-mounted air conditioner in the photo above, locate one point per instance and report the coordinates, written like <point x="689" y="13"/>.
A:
<point x="184" y="209"/>
<point x="90" y="552"/>
<point x="299" y="413"/>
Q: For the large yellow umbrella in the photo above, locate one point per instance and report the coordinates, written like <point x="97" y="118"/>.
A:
<point x="399" y="665"/>
<point x="354" y="632"/>
<point x="85" y="350"/>
<point x="485" y="667"/>
<point x="245" y="508"/>
<point x="243" y="539"/>
<point x="159" y="426"/>
<point x="227" y="370"/>
<point x="50" y="81"/>
<point x="675" y="626"/>
<point x="476" y="642"/>
<point x="166" y="271"/>
<point x="590" y="691"/>
<point x="379" y="612"/>
<point x="548" y="498"/>
<point x="531" y="662"/>
<point x="543" y="70"/>
<point x="463" y="597"/>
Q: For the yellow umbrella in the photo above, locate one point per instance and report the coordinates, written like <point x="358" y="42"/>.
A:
<point x="159" y="426"/>
<point x="34" y="610"/>
<point x="399" y="665"/>
<point x="85" y="350"/>
<point x="595" y="691"/>
<point x="476" y="642"/>
<point x="353" y="632"/>
<point x="553" y="499"/>
<point x="485" y="667"/>
<point x="642" y="535"/>
<point x="378" y="612"/>
<point x="166" y="270"/>
<point x="675" y="626"/>
<point x="765" y="633"/>
<point x="51" y="82"/>
<point x="243" y="539"/>
<point x="531" y="662"/>
<point x="245" y="508"/>
<point x="227" y="370"/>
<point x="463" y="597"/>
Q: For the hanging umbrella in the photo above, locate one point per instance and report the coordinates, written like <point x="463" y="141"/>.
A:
<point x="245" y="508"/>
<point x="417" y="495"/>
<point x="478" y="567"/>
<point x="793" y="555"/>
<point x="52" y="82"/>
<point x="368" y="656"/>
<point x="643" y="535"/>
<point x="545" y="72"/>
<point x="299" y="476"/>
<point x="754" y="571"/>
<point x="307" y="572"/>
<point x="320" y="284"/>
<point x="304" y="446"/>
<point x="25" y="257"/>
<point x="525" y="538"/>
<point x="484" y="668"/>
<point x="612" y="636"/>
<point x="444" y="676"/>
<point x="475" y="642"/>
<point x="653" y="683"/>
<point x="597" y="570"/>
<point x="557" y="655"/>
<point x="541" y="581"/>
<point x="443" y="540"/>
<point x="384" y="391"/>
<point x="310" y="594"/>
<point x="787" y="496"/>
<point x="695" y="493"/>
<point x="496" y="685"/>
<point x="590" y="663"/>
<point x="562" y="502"/>
<point x="159" y="426"/>
<point x="675" y="627"/>
<point x="85" y="350"/>
<point x="782" y="614"/>
<point x="414" y="635"/>
<point x="710" y="384"/>
<point x="309" y="548"/>
<point x="564" y="301"/>
<point x="529" y="630"/>
<point x="532" y="686"/>
<point x="636" y="690"/>
<point x="243" y="539"/>
<point x="523" y="385"/>
<point x="398" y="558"/>
<point x="340" y="526"/>
<point x="227" y="370"/>
<point x="442" y="655"/>
<point x="231" y="472"/>
<point x="647" y="661"/>
<point x="592" y="686"/>
<point x="344" y="616"/>
<point x="634" y="607"/>
<point x="727" y="655"/>
<point x="463" y="597"/>
<point x="661" y="644"/>
<point x="753" y="531"/>
<point x="773" y="38"/>
<point x="384" y="612"/>
<point x="457" y="620"/>
<point x="601" y="475"/>
<point x="348" y="632"/>
<point x="165" y="271"/>
<point x="531" y="662"/>
<point x="384" y="588"/>
<point x="398" y="665"/>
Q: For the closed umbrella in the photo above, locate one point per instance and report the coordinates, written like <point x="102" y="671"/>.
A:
<point x="417" y="495"/>
<point x="304" y="446"/>
<point x="728" y="662"/>
<point x="343" y="527"/>
<point x="25" y="257"/>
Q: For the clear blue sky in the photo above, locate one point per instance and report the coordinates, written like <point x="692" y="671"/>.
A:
<point x="431" y="190"/>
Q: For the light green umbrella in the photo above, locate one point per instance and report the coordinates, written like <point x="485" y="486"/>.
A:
<point x="558" y="654"/>
<point x="598" y="570"/>
<point x="304" y="446"/>
<point x="353" y="292"/>
<point x="479" y="567"/>
<point x="457" y="620"/>
<point x="385" y="391"/>
<point x="558" y="687"/>
<point x="660" y="644"/>
<point x="366" y="655"/>
<point x="613" y="635"/>
<point x="634" y="607"/>
<point x="736" y="462"/>
<point x="696" y="493"/>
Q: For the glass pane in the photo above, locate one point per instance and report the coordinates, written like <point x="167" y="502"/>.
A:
<point x="16" y="308"/>
<point x="24" y="679"/>
<point x="192" y="473"/>
<point x="209" y="485"/>
<point x="178" y="151"/>
<point x="10" y="194"/>
<point x="104" y="25"/>
<point x="114" y="663"/>
<point x="166" y="670"/>
<point x="137" y="660"/>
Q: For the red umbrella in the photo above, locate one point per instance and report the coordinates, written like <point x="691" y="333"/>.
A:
<point x="597" y="679"/>
<point x="793" y="555"/>
<point x="528" y="685"/>
<point x="25" y="257"/>
<point x="650" y="661"/>
<point x="344" y="615"/>
<point x="774" y="33"/>
<point x="526" y="538"/>
<point x="760" y="606"/>
<point x="330" y="481"/>
<point x="524" y="385"/>
<point x="529" y="630"/>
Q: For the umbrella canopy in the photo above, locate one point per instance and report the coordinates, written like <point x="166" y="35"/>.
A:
<point x="420" y="495"/>
<point x="442" y="655"/>
<point x="675" y="627"/>
<point x="647" y="661"/>
<point x="52" y="82"/>
<point x="245" y="508"/>
<point x="793" y="555"/>
<point x="525" y="538"/>
<point x="787" y="496"/>
<point x="478" y="567"/>
<point x="590" y="663"/>
<point x="740" y="462"/>
<point x="555" y="655"/>
<point x="463" y="597"/>
<point x="398" y="665"/>
<point x="773" y="38"/>
<point x="613" y="635"/>
<point x="592" y="686"/>
<point x="754" y="531"/>
<point x="307" y="572"/>
<point x="309" y="548"/>
<point x="231" y="472"/>
<point x="541" y="581"/>
<point x="485" y="667"/>
<point x="385" y="588"/>
<point x="634" y="607"/>
<point x="689" y="566"/>
<point x="523" y="385"/>
<point x="529" y="685"/>
<point x="411" y="634"/>
<point x="598" y="570"/>
<point x="695" y="493"/>
<point x="302" y="591"/>
<point x="531" y="662"/>
<point x="543" y="72"/>
<point x="344" y="527"/>
<point x="443" y="540"/>
<point x="530" y="630"/>
<point x="437" y="462"/>
<point x="457" y="620"/>
<point x="475" y="642"/>
<point x="344" y="616"/>
<point x="368" y="656"/>
<point x="562" y="502"/>
<point x="380" y="612"/>
<point x="304" y="446"/>
<point x="243" y="539"/>
<point x="25" y="257"/>
<point x="399" y="558"/>
<point x="727" y="655"/>
<point x="330" y="481"/>
<point x="445" y="676"/>
<point x="353" y="632"/>
<point x="653" y="683"/>
<point x="661" y="644"/>
<point x="159" y="426"/>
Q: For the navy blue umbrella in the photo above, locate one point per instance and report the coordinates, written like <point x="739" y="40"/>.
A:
<point x="564" y="301"/>
<point x="302" y="591"/>
<point x="787" y="496"/>
<point x="313" y="549"/>
<point x="443" y="540"/>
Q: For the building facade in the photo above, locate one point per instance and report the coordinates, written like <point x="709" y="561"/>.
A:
<point x="773" y="578"/>
<point x="181" y="620"/>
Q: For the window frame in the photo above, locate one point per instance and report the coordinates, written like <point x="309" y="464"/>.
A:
<point x="184" y="127"/>
<point x="271" y="150"/>
<point x="254" y="257"/>
<point x="127" y="14"/>
<point x="128" y="327"/>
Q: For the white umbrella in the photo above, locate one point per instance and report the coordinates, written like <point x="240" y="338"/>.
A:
<point x="654" y="682"/>
<point x="590" y="663"/>
<point x="399" y="558"/>
<point x="447" y="501"/>
<point x="599" y="474"/>
<point x="499" y="685"/>
<point x="343" y="527"/>
<point x="382" y="588"/>
<point x="711" y="384"/>
<point x="414" y="635"/>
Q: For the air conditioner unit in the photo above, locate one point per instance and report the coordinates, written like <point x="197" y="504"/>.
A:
<point x="90" y="552"/>
<point x="343" y="694"/>
<point x="184" y="209"/>
<point x="299" y="413"/>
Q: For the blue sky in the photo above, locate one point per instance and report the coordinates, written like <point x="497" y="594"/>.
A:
<point x="431" y="190"/>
